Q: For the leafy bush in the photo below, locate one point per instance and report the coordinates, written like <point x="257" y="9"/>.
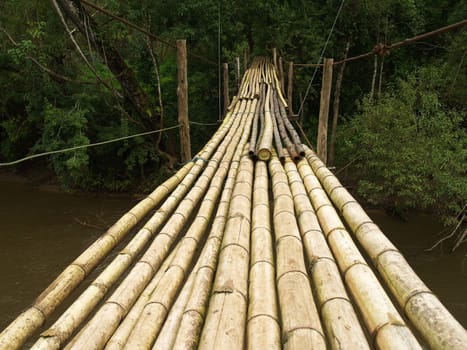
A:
<point x="64" y="129"/>
<point x="410" y="149"/>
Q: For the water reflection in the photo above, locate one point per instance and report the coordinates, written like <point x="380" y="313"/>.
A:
<point x="40" y="236"/>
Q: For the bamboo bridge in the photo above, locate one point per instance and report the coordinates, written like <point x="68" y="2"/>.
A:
<point x="253" y="244"/>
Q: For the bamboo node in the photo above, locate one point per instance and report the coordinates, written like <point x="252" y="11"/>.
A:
<point x="414" y="294"/>
<point x="377" y="257"/>
<point x="316" y="259"/>
<point x="278" y="240"/>
<point x="364" y="223"/>
<point x="353" y="265"/>
<point x="262" y="262"/>
<point x="335" y="229"/>
<point x="264" y="315"/>
<point x="291" y="271"/>
<point x="331" y="299"/>
<point x="392" y="322"/>
<point x="235" y="244"/>
<point x="101" y="286"/>
<point x="290" y="331"/>
<point x="118" y="304"/>
<point x="166" y="310"/>
<point x="352" y="201"/>
<point x="335" y="188"/>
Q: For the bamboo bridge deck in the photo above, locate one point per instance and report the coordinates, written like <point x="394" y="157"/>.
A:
<point x="250" y="245"/>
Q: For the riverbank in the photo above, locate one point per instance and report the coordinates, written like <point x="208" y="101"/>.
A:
<point x="47" y="182"/>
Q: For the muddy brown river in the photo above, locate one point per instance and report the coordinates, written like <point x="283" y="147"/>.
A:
<point x="41" y="232"/>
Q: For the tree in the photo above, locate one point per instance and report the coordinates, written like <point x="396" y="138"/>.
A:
<point x="410" y="149"/>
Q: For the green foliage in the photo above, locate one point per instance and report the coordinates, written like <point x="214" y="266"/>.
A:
<point x="422" y="106"/>
<point x="411" y="151"/>
<point x="66" y="129"/>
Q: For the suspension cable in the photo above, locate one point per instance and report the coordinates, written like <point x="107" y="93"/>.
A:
<point x="86" y="146"/>
<point x="320" y="57"/>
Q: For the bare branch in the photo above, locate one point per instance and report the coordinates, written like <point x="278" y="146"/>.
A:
<point x="78" y="48"/>
<point x="159" y="91"/>
<point x="461" y="218"/>
<point x="45" y="69"/>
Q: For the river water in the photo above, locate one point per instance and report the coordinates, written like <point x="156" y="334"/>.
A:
<point x="42" y="231"/>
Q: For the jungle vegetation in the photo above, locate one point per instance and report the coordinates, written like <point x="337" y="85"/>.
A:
<point x="401" y="138"/>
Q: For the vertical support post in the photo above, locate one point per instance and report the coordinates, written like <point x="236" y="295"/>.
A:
<point x="245" y="59"/>
<point x="182" y="98"/>
<point x="274" y="57"/>
<point x="281" y="74"/>
<point x="226" y="87"/>
<point x="322" y="145"/>
<point x="237" y="72"/>
<point x="290" y="89"/>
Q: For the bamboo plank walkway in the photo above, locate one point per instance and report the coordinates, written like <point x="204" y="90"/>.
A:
<point x="253" y="244"/>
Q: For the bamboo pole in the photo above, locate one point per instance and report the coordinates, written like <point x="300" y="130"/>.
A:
<point x="277" y="137"/>
<point x="226" y="317"/>
<point x="265" y="143"/>
<point x="322" y="145"/>
<point x="155" y="311"/>
<point x="274" y="57"/>
<point x="261" y="122"/>
<point x="237" y="70"/>
<point x="283" y="131"/>
<point x="340" y="321"/>
<point x="431" y="319"/>
<point x="244" y="85"/>
<point x="30" y="320"/>
<point x="245" y="59"/>
<point x="256" y="126"/>
<point x="167" y="335"/>
<point x="277" y="85"/>
<point x="281" y="75"/>
<point x="62" y="329"/>
<point x="301" y="327"/>
<point x="293" y="133"/>
<point x="119" y="337"/>
<point x="182" y="97"/>
<point x="111" y="313"/>
<point x="290" y="89"/>
<point x="383" y="322"/>
<point x="225" y="81"/>
<point x="263" y="325"/>
<point x="194" y="313"/>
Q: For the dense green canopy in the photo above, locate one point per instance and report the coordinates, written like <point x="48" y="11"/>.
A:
<point x="50" y="98"/>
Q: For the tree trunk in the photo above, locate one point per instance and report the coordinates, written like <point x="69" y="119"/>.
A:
<point x="336" y="105"/>
<point x="132" y="91"/>
<point x="373" y="79"/>
<point x="380" y="82"/>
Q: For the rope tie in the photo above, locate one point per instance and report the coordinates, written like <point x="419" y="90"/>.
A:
<point x="195" y="159"/>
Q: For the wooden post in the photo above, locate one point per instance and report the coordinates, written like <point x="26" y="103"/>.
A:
<point x="321" y="148"/>
<point x="182" y="97"/>
<point x="274" y="57"/>
<point x="245" y="59"/>
<point x="237" y="70"/>
<point x="281" y="74"/>
<point x="226" y="87"/>
<point x="336" y="106"/>
<point x="290" y="89"/>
